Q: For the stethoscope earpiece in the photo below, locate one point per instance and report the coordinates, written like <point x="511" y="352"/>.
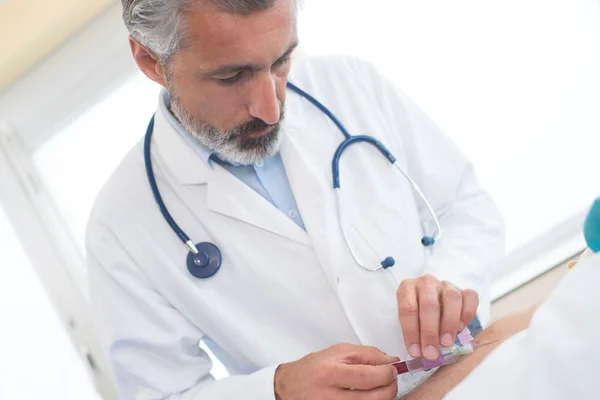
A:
<point x="427" y="241"/>
<point x="388" y="262"/>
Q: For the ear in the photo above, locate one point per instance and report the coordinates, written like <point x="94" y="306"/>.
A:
<point x="148" y="62"/>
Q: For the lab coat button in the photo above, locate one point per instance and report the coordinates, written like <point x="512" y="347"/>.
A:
<point x="259" y="164"/>
<point x="292" y="214"/>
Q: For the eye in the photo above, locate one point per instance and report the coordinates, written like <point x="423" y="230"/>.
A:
<point x="281" y="62"/>
<point x="231" y="80"/>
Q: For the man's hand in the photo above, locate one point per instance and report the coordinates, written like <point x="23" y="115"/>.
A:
<point x="432" y="312"/>
<point x="342" y="372"/>
<point x="447" y="377"/>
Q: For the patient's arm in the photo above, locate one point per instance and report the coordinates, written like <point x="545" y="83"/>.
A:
<point x="446" y="378"/>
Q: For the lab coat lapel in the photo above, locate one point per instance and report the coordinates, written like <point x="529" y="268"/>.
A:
<point x="304" y="151"/>
<point x="311" y="141"/>
<point x="226" y="194"/>
<point x="229" y="196"/>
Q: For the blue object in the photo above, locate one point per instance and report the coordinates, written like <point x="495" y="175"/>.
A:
<point x="388" y="262"/>
<point x="591" y="228"/>
<point x="268" y="178"/>
<point x="206" y="263"/>
<point x="204" y="259"/>
<point x="335" y="170"/>
<point x="154" y="186"/>
<point x="428" y="241"/>
<point x="474" y="327"/>
<point x="348" y="139"/>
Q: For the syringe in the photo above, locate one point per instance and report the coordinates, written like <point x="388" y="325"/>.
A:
<point x="448" y="355"/>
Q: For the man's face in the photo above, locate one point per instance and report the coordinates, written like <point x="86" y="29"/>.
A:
<point x="227" y="84"/>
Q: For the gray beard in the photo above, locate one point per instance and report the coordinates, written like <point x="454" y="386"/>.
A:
<point x="231" y="144"/>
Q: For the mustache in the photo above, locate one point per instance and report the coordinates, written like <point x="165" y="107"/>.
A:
<point x="255" y="125"/>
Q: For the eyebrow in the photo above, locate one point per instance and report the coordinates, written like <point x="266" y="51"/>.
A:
<point x="231" y="68"/>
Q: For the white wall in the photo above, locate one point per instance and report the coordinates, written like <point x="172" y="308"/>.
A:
<point x="37" y="359"/>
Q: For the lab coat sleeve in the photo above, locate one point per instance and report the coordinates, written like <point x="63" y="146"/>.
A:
<point x="473" y="233"/>
<point x="556" y="357"/>
<point x="152" y="349"/>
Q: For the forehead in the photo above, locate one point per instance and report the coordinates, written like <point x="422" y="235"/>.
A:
<point x="215" y="36"/>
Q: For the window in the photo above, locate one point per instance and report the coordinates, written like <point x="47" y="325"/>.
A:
<point x="38" y="361"/>
<point x="75" y="163"/>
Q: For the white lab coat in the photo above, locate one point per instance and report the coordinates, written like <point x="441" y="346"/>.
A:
<point x="281" y="292"/>
<point x="557" y="357"/>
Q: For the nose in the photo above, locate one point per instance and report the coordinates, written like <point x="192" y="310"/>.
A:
<point x="263" y="102"/>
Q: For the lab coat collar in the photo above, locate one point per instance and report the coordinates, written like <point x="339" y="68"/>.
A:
<point x="176" y="154"/>
<point x="205" y="153"/>
<point x="226" y="194"/>
<point x="164" y="105"/>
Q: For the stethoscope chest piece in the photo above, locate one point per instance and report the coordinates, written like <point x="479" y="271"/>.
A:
<point x="206" y="263"/>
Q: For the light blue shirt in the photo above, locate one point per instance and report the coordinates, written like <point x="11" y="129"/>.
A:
<point x="267" y="177"/>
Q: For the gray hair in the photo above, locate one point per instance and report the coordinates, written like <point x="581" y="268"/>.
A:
<point x="157" y="23"/>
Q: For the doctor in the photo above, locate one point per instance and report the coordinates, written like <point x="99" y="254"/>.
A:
<point x="285" y="304"/>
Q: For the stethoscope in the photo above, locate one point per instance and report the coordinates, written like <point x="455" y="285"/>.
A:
<point x="204" y="259"/>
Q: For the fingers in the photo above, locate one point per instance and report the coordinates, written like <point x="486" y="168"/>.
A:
<point x="364" y="377"/>
<point x="367" y="355"/>
<point x="332" y="372"/>
<point x="408" y="315"/>
<point x="364" y="369"/>
<point x="470" y="300"/>
<point x="388" y="392"/>
<point x="429" y="314"/>
<point x="452" y="304"/>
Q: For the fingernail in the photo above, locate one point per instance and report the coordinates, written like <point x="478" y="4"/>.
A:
<point x="462" y="326"/>
<point x="430" y="353"/>
<point x="415" y="350"/>
<point x="447" y="340"/>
